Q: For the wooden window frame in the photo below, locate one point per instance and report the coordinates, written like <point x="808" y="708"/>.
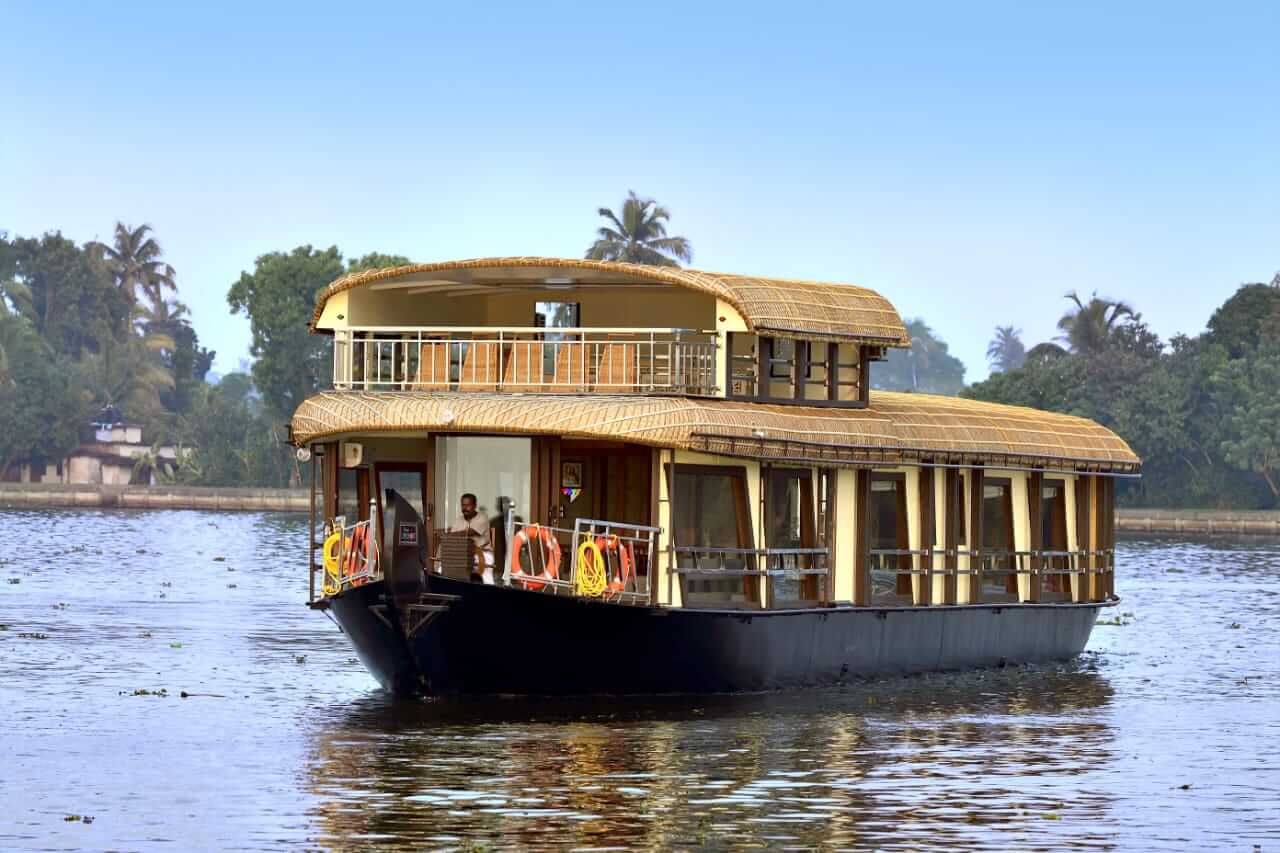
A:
<point x="801" y="368"/>
<point x="902" y="535"/>
<point x="810" y="589"/>
<point x="742" y="519"/>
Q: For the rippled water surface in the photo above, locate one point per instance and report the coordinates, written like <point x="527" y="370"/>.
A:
<point x="1165" y="734"/>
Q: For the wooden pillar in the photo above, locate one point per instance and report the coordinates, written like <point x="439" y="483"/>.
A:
<point x="1096" y="544"/>
<point x="923" y="585"/>
<point x="975" y="535"/>
<point x="861" y="540"/>
<point x="1035" y="516"/>
<point x="1084" y="537"/>
<point x="951" y="520"/>
<point x="329" y="473"/>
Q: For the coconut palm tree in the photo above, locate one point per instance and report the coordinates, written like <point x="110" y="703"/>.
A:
<point x="135" y="262"/>
<point x="1006" y="352"/>
<point x="129" y="374"/>
<point x="639" y="236"/>
<point x="1088" y="328"/>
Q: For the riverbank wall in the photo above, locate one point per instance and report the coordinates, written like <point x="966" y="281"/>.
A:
<point x="12" y="495"/>
<point x="1236" y="522"/>
<point x="16" y="495"/>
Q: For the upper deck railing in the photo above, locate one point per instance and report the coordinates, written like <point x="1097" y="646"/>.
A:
<point x="525" y="359"/>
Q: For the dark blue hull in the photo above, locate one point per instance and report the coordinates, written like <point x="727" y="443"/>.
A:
<point x="500" y="640"/>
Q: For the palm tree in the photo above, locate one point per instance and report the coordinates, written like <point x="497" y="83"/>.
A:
<point x="1088" y="328"/>
<point x="1006" y="352"/>
<point x="128" y="374"/>
<point x="639" y="236"/>
<point x="135" y="262"/>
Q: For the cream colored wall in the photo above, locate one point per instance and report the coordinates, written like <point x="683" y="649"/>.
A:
<point x="334" y="315"/>
<point x="1019" y="494"/>
<point x="668" y="590"/>
<point x="727" y="320"/>
<point x="846" y="520"/>
<point x="939" y="591"/>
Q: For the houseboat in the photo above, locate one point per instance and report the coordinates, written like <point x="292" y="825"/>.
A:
<point x="552" y="476"/>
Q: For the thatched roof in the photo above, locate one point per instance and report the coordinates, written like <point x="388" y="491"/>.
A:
<point x="894" y="428"/>
<point x="773" y="306"/>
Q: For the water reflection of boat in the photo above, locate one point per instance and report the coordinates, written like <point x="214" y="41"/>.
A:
<point x="707" y="498"/>
<point x="963" y="753"/>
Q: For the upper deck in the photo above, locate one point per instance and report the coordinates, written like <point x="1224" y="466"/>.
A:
<point x="544" y="325"/>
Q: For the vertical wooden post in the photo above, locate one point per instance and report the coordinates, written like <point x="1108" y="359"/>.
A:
<point x="924" y="583"/>
<point x="312" y="532"/>
<point x="951" y="519"/>
<point x="1035" y="516"/>
<point x="655" y="519"/>
<point x="1084" y="500"/>
<point x="1097" y="523"/>
<point x="1111" y="536"/>
<point x="861" y="540"/>
<point x="975" y="534"/>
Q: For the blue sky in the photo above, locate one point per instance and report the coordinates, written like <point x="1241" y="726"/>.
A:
<point x="972" y="162"/>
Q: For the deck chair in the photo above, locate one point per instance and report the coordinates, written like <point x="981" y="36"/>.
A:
<point x="455" y="554"/>
<point x="480" y="367"/>
<point x="617" y="371"/>
<point x="433" y="366"/>
<point x="524" y="367"/>
<point x="571" y="367"/>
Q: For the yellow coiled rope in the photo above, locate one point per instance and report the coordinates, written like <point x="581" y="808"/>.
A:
<point x="332" y="583"/>
<point x="591" y="577"/>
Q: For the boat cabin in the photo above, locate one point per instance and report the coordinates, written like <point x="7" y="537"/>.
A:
<point x="661" y="437"/>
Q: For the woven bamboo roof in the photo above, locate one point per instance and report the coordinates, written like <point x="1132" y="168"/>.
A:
<point x="895" y="428"/>
<point x="776" y="306"/>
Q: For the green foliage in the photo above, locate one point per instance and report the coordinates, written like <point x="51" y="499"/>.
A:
<point x="376" y="260"/>
<point x="1005" y="351"/>
<point x="1202" y="413"/>
<point x="134" y="261"/>
<point x="41" y="406"/>
<point x="279" y="296"/>
<point x="926" y="367"/>
<point x="232" y="440"/>
<point x="1088" y="328"/>
<point x="639" y="236"/>
<point x="73" y="302"/>
<point x="1240" y="323"/>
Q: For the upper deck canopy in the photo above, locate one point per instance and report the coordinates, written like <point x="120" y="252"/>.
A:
<point x="782" y="307"/>
<point x="895" y="428"/>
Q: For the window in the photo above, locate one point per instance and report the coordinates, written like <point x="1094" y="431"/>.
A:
<point x="999" y="581"/>
<point x="890" y="572"/>
<point x="709" y="508"/>
<point x="407" y="480"/>
<point x="784" y="370"/>
<point x="559" y="315"/>
<point x="353" y="491"/>
<point x="1053" y="537"/>
<point x="491" y="468"/>
<point x="790" y="508"/>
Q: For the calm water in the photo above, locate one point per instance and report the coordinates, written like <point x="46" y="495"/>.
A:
<point x="1166" y="734"/>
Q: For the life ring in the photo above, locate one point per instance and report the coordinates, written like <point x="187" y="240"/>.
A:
<point x="626" y="560"/>
<point x="332" y="583"/>
<point x="357" y="557"/>
<point x="545" y="537"/>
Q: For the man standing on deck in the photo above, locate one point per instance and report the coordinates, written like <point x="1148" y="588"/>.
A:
<point x="476" y="525"/>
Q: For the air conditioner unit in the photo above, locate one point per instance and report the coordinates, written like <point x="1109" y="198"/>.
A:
<point x="352" y="454"/>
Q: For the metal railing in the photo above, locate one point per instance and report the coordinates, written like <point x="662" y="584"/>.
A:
<point x="781" y="571"/>
<point x="357" y="559"/>
<point x="527" y="359"/>
<point x="633" y="587"/>
<point x="886" y="564"/>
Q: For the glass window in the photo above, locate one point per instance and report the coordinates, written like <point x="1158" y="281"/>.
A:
<point x="710" y="508"/>
<point x="349" y="495"/>
<point x="791" y="525"/>
<point x="491" y="468"/>
<point x="997" y="537"/>
<point x="890" y="576"/>
<point x="743" y="364"/>
<point x="816" y="370"/>
<point x="780" y="357"/>
<point x="407" y="482"/>
<point x="848" y="373"/>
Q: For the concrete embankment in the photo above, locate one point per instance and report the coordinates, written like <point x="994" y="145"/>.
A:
<point x="14" y="495"/>
<point x="1240" y="521"/>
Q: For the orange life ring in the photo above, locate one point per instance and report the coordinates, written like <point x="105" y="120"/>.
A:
<point x="626" y="560"/>
<point x="544" y="537"/>
<point x="357" y="554"/>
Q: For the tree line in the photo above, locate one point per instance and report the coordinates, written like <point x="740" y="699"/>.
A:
<point x="88" y="326"/>
<point x="1203" y="412"/>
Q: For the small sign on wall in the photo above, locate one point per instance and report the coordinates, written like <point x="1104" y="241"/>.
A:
<point x="407" y="534"/>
